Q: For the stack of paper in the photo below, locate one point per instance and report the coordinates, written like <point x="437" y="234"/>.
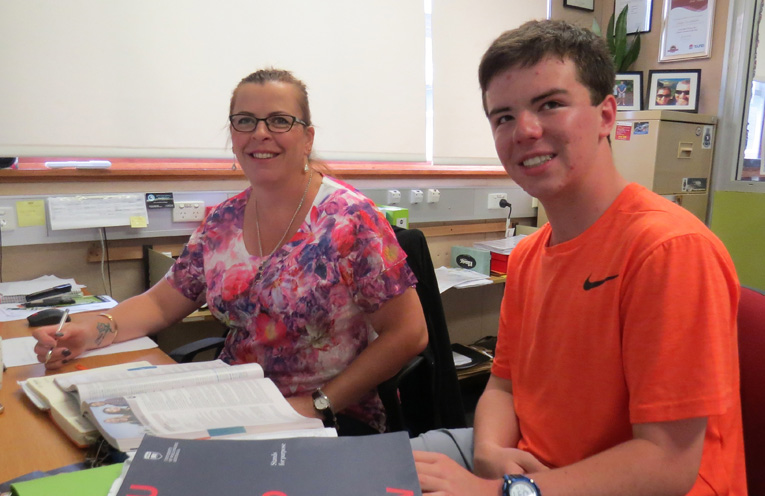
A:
<point x="503" y="246"/>
<point x="12" y="310"/>
<point x="459" y="278"/>
<point x="40" y="284"/>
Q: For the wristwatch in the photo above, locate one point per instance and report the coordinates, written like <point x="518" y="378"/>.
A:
<point x="519" y="485"/>
<point x="322" y="405"/>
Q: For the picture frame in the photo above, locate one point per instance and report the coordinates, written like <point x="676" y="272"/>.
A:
<point x="686" y="31"/>
<point x="638" y="14"/>
<point x="628" y="90"/>
<point x="675" y="89"/>
<point x="588" y="5"/>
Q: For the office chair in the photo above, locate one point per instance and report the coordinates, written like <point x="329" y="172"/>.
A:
<point x="751" y="348"/>
<point x="424" y="394"/>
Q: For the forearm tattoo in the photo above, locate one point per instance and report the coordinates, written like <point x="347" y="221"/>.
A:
<point x="103" y="329"/>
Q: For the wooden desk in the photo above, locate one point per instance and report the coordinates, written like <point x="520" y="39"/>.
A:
<point x="29" y="440"/>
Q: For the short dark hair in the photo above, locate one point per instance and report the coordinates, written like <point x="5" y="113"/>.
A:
<point x="528" y="44"/>
<point x="273" y="75"/>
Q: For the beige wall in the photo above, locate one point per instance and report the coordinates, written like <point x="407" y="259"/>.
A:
<point x="711" y="68"/>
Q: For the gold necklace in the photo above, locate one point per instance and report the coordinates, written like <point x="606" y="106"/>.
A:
<point x="289" y="226"/>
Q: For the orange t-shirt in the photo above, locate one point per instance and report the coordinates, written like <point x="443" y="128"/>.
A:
<point x="633" y="321"/>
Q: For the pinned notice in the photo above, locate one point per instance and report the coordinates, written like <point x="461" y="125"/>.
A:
<point x="78" y="212"/>
<point x="30" y="213"/>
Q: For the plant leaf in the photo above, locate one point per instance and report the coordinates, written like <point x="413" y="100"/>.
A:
<point x="610" y="34"/>
<point x="620" y="39"/>
<point x="596" y="28"/>
<point x="632" y="54"/>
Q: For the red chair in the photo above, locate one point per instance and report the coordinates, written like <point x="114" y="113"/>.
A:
<point x="751" y="342"/>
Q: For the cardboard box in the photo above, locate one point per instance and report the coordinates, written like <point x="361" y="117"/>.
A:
<point x="471" y="258"/>
<point x="397" y="216"/>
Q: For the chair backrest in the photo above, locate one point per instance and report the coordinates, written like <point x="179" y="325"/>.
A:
<point x="751" y="342"/>
<point x="435" y="401"/>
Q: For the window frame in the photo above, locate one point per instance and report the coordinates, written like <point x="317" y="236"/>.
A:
<point x="734" y="102"/>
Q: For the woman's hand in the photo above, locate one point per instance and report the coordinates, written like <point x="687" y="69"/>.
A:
<point x="141" y="315"/>
<point x="493" y="461"/>
<point x="73" y="339"/>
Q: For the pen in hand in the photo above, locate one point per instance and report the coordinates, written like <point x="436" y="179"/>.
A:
<point x="58" y="333"/>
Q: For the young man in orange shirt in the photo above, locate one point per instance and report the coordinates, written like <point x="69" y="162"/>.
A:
<point x="616" y="370"/>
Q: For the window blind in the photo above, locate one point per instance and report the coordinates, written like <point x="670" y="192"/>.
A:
<point x="144" y="78"/>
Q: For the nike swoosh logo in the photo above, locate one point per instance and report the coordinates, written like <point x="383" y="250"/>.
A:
<point x="588" y="285"/>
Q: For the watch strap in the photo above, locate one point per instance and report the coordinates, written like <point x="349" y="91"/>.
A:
<point x="328" y="415"/>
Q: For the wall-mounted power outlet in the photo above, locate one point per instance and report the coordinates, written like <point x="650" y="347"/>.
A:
<point x="434" y="196"/>
<point x="393" y="197"/>
<point x="189" y="211"/>
<point x="416" y="196"/>
<point x="494" y="198"/>
<point x="7" y="219"/>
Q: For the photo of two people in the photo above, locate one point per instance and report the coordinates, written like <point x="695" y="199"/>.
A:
<point x="675" y="92"/>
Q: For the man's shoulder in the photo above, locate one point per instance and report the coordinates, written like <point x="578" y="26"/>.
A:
<point x="641" y="201"/>
<point x="647" y="216"/>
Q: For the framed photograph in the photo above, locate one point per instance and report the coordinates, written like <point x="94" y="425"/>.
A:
<point x="686" y="31"/>
<point x="588" y="5"/>
<point x="638" y="14"/>
<point x="628" y="90"/>
<point x="674" y="90"/>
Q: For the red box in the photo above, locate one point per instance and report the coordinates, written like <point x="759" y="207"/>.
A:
<point x="498" y="263"/>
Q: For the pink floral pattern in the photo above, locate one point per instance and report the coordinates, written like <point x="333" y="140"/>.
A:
<point x="301" y="313"/>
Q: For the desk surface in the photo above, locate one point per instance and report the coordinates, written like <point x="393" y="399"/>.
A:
<point x="29" y="440"/>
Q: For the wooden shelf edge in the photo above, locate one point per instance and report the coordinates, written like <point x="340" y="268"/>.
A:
<point x="153" y="170"/>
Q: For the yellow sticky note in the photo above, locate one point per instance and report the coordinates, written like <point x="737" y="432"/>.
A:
<point x="30" y="212"/>
<point x="137" y="221"/>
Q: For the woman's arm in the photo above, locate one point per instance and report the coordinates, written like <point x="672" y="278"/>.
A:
<point x="402" y="334"/>
<point x="141" y="315"/>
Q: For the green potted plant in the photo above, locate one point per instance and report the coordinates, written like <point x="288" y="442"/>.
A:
<point x="623" y="52"/>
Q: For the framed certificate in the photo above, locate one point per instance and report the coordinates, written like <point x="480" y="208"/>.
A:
<point x="580" y="4"/>
<point x="686" y="31"/>
<point x="638" y="14"/>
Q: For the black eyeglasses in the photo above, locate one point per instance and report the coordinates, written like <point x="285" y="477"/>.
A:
<point x="663" y="95"/>
<point x="682" y="92"/>
<point x="279" y="123"/>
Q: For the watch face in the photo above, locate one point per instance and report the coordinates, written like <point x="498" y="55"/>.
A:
<point x="320" y="403"/>
<point x="521" y="488"/>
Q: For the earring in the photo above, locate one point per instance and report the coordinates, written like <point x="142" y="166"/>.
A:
<point x="305" y="169"/>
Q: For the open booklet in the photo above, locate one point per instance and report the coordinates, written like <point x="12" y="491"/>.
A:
<point x="192" y="401"/>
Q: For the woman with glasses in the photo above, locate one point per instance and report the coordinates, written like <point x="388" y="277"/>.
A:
<point x="301" y="268"/>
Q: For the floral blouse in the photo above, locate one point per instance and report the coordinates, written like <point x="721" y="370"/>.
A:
<point x="302" y="312"/>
